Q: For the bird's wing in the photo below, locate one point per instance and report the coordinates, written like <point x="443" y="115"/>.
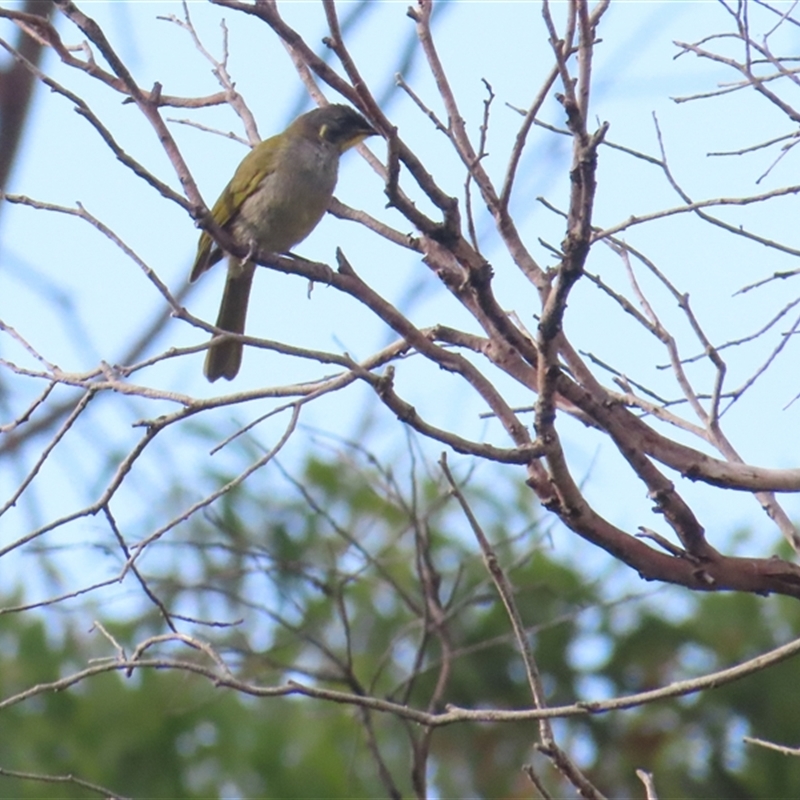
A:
<point x="255" y="166"/>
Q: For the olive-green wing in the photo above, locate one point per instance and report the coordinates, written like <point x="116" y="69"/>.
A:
<point x="255" y="166"/>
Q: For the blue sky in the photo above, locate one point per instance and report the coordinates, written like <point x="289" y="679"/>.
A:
<point x="78" y="299"/>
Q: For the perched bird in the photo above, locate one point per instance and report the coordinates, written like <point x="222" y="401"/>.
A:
<point x="276" y="197"/>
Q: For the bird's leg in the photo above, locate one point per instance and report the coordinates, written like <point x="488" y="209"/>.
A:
<point x="252" y="248"/>
<point x="297" y="257"/>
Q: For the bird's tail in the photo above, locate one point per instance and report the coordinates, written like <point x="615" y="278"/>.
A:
<point x="224" y="356"/>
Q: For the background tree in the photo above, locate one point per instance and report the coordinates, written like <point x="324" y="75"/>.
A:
<point x="425" y="606"/>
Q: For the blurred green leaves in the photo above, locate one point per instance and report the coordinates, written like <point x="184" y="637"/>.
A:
<point x="348" y="577"/>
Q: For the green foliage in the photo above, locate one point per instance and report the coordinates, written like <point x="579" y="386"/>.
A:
<point x="328" y="575"/>
<point x="166" y="734"/>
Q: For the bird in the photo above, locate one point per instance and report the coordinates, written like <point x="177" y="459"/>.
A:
<point x="277" y="196"/>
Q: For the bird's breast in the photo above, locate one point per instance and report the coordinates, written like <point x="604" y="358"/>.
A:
<point x="289" y="202"/>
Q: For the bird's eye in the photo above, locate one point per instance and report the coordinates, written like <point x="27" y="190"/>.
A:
<point x="323" y="131"/>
